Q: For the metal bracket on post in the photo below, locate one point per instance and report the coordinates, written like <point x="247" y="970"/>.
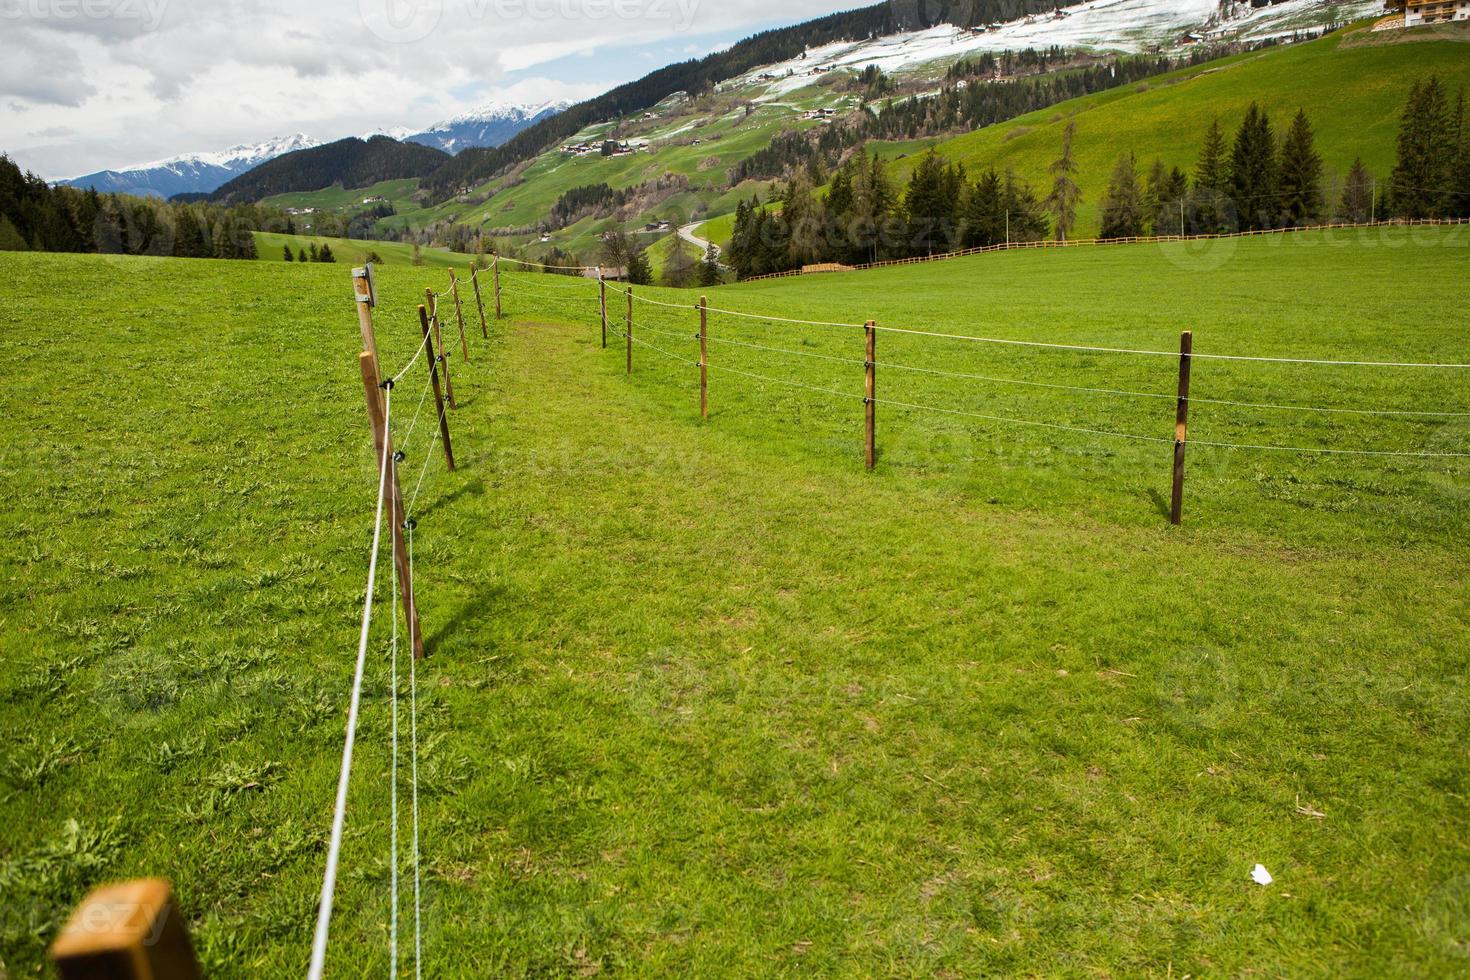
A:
<point x="366" y="273"/>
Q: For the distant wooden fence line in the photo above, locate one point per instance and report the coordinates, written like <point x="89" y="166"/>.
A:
<point x="1083" y="242"/>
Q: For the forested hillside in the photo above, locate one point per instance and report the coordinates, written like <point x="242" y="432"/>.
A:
<point x="695" y="76"/>
<point x="351" y="162"/>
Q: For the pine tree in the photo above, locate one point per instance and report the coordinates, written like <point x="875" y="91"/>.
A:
<point x="1065" y="194"/>
<point x="312" y="251"/>
<point x="709" y="267"/>
<point x="1458" y="203"/>
<point x="679" y="270"/>
<point x="289" y="256"/>
<point x="1356" y="206"/>
<point x="985" y="218"/>
<point x="1122" y="208"/>
<point x="325" y="255"/>
<point x="1153" y="197"/>
<point x="1026" y="218"/>
<point x="803" y="216"/>
<point x="1208" y="205"/>
<point x="1421" y="176"/>
<point x="301" y="256"/>
<point x="1300" y="181"/>
<point x="932" y="203"/>
<point x="1253" y="170"/>
<point x="871" y="223"/>
<point x="640" y="270"/>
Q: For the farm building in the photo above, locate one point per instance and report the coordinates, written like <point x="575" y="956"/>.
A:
<point x="1421" y="12"/>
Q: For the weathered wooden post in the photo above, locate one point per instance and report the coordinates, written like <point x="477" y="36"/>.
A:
<point x="479" y="303"/>
<point x="1181" y="427"/>
<point x="459" y="314"/>
<point x="128" y="931"/>
<point x="602" y="305"/>
<point x="870" y="389"/>
<point x="434" y="383"/>
<point x="629" y="332"/>
<point x="495" y="273"/>
<point x="703" y="357"/>
<point x="366" y="298"/>
<point x="383" y="442"/>
<point x="432" y="302"/>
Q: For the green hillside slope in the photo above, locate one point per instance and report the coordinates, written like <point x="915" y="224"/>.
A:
<point x="1352" y="85"/>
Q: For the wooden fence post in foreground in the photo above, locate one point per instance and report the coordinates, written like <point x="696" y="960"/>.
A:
<point x="459" y="314"/>
<point x="128" y="931"/>
<point x="870" y="389"/>
<point x="433" y="304"/>
<point x="479" y="303"/>
<point x="495" y="273"/>
<point x="362" y="282"/>
<point x="703" y="357"/>
<point x="1181" y="427"/>
<point x="629" y="332"/>
<point x="383" y="443"/>
<point x="602" y="305"/>
<point x="434" y="383"/>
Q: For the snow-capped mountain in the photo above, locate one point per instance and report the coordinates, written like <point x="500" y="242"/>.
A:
<point x="489" y="125"/>
<point x="191" y="173"/>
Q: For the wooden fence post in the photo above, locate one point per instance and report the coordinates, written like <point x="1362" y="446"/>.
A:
<point x="1181" y="427"/>
<point x="383" y="442"/>
<point x="602" y="305"/>
<point x="362" y="283"/>
<point x="870" y="389"/>
<point x="495" y="273"/>
<point x="703" y="357"/>
<point x="629" y="331"/>
<point x="479" y="303"/>
<point x="128" y="931"/>
<point x="434" y="382"/>
<point x="433" y="304"/>
<point x="459" y="314"/>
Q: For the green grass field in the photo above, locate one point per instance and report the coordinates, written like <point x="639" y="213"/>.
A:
<point x="1353" y="86"/>
<point x="704" y="698"/>
<point x="270" y="247"/>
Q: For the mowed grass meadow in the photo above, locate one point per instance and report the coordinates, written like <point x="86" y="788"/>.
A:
<point x="703" y="697"/>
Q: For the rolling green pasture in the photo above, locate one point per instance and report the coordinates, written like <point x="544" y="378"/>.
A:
<point x="269" y="246"/>
<point x="704" y="698"/>
<point x="1353" y="86"/>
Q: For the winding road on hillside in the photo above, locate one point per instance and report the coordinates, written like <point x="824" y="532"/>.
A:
<point x="686" y="232"/>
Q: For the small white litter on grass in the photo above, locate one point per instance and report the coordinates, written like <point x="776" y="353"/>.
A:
<point x="1260" y="875"/>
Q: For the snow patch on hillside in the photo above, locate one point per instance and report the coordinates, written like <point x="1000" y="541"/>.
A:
<point x="1123" y="26"/>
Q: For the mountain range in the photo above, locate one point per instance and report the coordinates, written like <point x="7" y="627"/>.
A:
<point x="489" y="125"/>
<point x="205" y="172"/>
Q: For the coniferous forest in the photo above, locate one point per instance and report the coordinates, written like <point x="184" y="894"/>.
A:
<point x="1269" y="175"/>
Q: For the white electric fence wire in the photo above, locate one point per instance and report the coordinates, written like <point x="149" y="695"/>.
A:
<point x="544" y="265"/>
<point x="424" y="469"/>
<point x="411" y="425"/>
<point x="393" y="778"/>
<point x="784" y="350"/>
<point x="1015" y="421"/>
<point x="413" y="722"/>
<point x="637" y="340"/>
<point x="1162" y="353"/>
<point x="416" y="355"/>
<point x="782" y="319"/>
<point x="781" y="381"/>
<point x="339" y="816"/>
<point x="1331" y="452"/>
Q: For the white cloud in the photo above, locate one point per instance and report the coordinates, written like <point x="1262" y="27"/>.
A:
<point x="143" y="79"/>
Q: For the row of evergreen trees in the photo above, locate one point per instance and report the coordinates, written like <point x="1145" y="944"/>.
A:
<point x="35" y="216"/>
<point x="314" y="254"/>
<point x="1255" y="182"/>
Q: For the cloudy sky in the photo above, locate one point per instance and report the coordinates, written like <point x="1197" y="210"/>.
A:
<point x="93" y="84"/>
